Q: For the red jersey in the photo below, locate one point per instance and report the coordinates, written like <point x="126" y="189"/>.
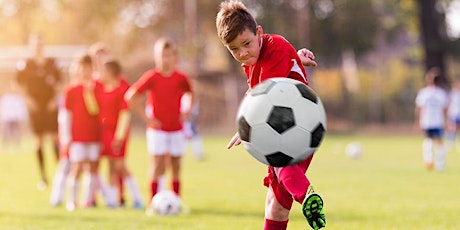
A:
<point x="84" y="126"/>
<point x="277" y="58"/>
<point x="111" y="103"/>
<point x="164" y="94"/>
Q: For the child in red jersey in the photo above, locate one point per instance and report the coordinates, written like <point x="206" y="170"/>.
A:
<point x="114" y="117"/>
<point x="164" y="86"/>
<point x="265" y="56"/>
<point x="81" y="130"/>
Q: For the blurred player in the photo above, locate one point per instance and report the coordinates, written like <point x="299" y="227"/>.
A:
<point x="40" y="80"/>
<point x="430" y="111"/>
<point x="115" y="118"/>
<point x="453" y="113"/>
<point x="191" y="128"/>
<point x="164" y="86"/>
<point x="266" y="56"/>
<point x="13" y="115"/>
<point x="81" y="132"/>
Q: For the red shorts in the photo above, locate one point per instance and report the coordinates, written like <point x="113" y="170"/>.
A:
<point x="281" y="194"/>
<point x="107" y="141"/>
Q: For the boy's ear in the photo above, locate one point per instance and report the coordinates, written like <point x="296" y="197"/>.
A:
<point x="259" y="31"/>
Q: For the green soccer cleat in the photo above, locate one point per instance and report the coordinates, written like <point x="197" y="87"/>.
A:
<point x="312" y="209"/>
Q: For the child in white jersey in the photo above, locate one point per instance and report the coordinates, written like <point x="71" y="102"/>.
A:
<point x="453" y="113"/>
<point x="431" y="110"/>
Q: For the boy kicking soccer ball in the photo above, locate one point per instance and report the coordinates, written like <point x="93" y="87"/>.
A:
<point x="265" y="56"/>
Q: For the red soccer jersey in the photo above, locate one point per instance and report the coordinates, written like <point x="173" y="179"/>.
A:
<point x="84" y="126"/>
<point x="277" y="58"/>
<point x="164" y="95"/>
<point x="111" y="102"/>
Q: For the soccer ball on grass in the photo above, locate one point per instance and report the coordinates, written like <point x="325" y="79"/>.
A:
<point x="281" y="121"/>
<point x="165" y="203"/>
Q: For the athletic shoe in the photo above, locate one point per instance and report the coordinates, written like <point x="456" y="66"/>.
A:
<point x="312" y="209"/>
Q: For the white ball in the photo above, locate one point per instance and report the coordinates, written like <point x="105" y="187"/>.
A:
<point x="354" y="150"/>
<point x="281" y="121"/>
<point x="166" y="203"/>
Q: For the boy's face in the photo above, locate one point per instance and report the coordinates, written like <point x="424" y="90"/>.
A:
<point x="166" y="59"/>
<point x="245" y="48"/>
<point x="84" y="72"/>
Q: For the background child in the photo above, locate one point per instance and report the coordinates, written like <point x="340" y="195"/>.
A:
<point x="453" y="113"/>
<point x="81" y="132"/>
<point x="114" y="117"/>
<point x="164" y="86"/>
<point x="265" y="56"/>
<point x="430" y="111"/>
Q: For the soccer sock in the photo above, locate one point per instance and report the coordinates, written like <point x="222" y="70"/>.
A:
<point x="427" y="150"/>
<point x="59" y="182"/>
<point x="153" y="188"/>
<point x="275" y="225"/>
<point x="197" y="146"/>
<point x="441" y="157"/>
<point x="73" y="190"/>
<point x="108" y="194"/>
<point x="120" y="189"/>
<point x="295" y="181"/>
<point x="56" y="150"/>
<point x="133" y="188"/>
<point x="41" y="164"/>
<point x="176" y="186"/>
<point x="91" y="187"/>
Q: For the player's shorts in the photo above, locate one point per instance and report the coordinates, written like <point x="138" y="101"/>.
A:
<point x="44" y="122"/>
<point x="282" y="195"/>
<point x="434" y="132"/>
<point x="84" y="151"/>
<point x="161" y="142"/>
<point x="107" y="150"/>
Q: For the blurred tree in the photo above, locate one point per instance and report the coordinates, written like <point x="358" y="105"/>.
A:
<point x="433" y="33"/>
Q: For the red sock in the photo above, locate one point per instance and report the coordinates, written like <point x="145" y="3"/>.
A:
<point x="275" y="225"/>
<point x="120" y="189"/>
<point x="153" y="188"/>
<point x="176" y="187"/>
<point x="294" y="180"/>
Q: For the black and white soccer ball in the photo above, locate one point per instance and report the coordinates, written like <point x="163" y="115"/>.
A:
<point x="166" y="203"/>
<point x="281" y="122"/>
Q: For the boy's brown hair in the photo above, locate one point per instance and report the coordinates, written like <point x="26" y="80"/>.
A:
<point x="233" y="19"/>
<point x="113" y="67"/>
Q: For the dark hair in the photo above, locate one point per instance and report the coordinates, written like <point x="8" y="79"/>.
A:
<point x="232" y="19"/>
<point x="113" y="67"/>
<point x="85" y="60"/>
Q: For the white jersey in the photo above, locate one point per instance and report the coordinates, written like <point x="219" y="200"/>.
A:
<point x="432" y="102"/>
<point x="454" y="104"/>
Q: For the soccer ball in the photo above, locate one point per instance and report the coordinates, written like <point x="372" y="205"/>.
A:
<point x="166" y="203"/>
<point x="281" y="121"/>
<point x="354" y="150"/>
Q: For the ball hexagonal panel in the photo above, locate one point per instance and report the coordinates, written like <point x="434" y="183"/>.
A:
<point x="317" y="135"/>
<point x="281" y="119"/>
<point x="307" y="92"/>
<point x="262" y="88"/>
<point x="244" y="129"/>
<point x="278" y="159"/>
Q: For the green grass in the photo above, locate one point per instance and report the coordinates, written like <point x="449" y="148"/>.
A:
<point x="387" y="188"/>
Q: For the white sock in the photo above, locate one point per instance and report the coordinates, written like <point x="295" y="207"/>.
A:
<point x="197" y="147"/>
<point x="132" y="186"/>
<point x="90" y="188"/>
<point x="109" y="193"/>
<point x="440" y="158"/>
<point x="59" y="182"/>
<point x="73" y="190"/>
<point x="427" y="150"/>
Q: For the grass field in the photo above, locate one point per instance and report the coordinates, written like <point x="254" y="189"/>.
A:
<point x="385" y="189"/>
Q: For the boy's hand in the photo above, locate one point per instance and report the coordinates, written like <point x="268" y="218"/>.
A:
<point x="234" y="141"/>
<point x="307" y="57"/>
<point x="153" y="122"/>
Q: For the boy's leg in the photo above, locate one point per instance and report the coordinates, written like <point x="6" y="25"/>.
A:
<point x="428" y="153"/>
<point x="276" y="215"/>
<point x="59" y="182"/>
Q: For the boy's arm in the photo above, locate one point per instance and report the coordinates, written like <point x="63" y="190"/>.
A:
<point x="124" y="118"/>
